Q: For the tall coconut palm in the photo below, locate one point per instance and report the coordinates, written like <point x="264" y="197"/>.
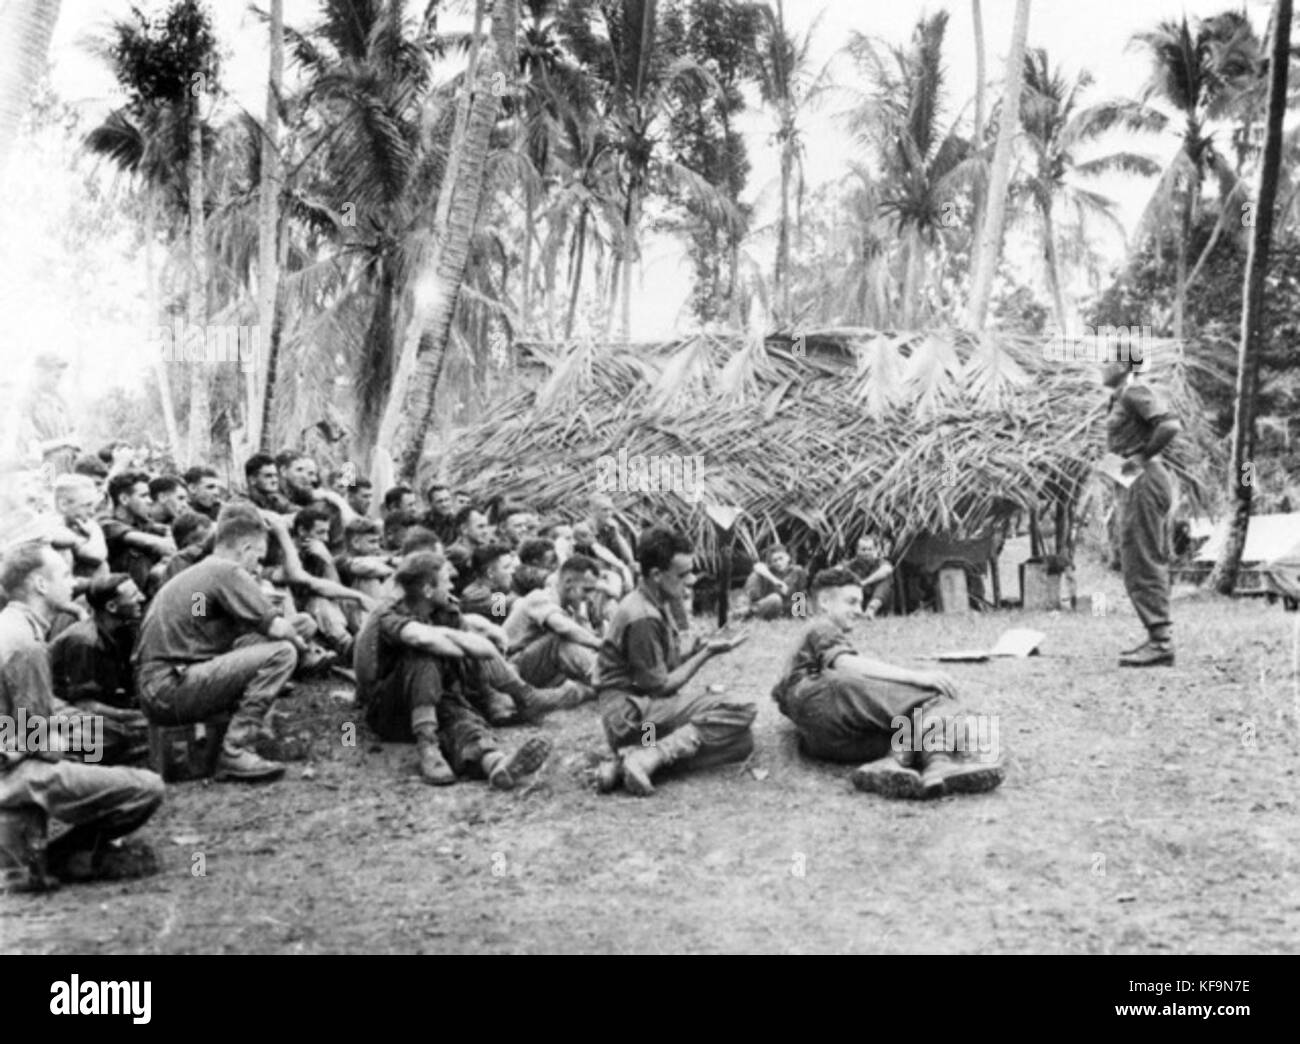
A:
<point x="26" y="29"/>
<point x="440" y="266"/>
<point x="1241" y="485"/>
<point x="989" y="248"/>
<point x="1191" y="73"/>
<point x="1057" y="128"/>
<point x="167" y="68"/>
<point x="268" y="241"/>
<point x="788" y="84"/>
<point x="923" y="168"/>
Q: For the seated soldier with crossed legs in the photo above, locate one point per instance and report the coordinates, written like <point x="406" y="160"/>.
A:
<point x="417" y="678"/>
<point x="641" y="669"/>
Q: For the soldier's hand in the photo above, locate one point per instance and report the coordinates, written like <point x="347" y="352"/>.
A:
<point x="939" y="681"/>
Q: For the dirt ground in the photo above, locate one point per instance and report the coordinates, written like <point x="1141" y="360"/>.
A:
<point x="1142" y="812"/>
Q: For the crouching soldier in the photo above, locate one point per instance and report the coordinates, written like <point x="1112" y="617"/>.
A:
<point x="99" y="803"/>
<point x="858" y="710"/>
<point x="419" y="677"/>
<point x="213" y="643"/>
<point x="641" y="669"/>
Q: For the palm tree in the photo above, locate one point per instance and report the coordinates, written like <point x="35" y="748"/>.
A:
<point x="268" y="242"/>
<point x="166" y="68"/>
<point x="923" y="169"/>
<point x="26" y="28"/>
<point x="1056" y="128"/>
<point x="440" y="266"/>
<point x="787" y="83"/>
<point x="1224" y="575"/>
<point x="1190" y="72"/>
<point x="989" y="249"/>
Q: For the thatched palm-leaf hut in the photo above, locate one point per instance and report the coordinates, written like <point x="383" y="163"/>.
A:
<point x="813" y="438"/>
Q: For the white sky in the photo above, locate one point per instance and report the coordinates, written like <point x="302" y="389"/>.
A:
<point x="1093" y="34"/>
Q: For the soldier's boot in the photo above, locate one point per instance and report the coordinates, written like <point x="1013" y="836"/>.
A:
<point x="505" y="772"/>
<point x="641" y="763"/>
<point x="942" y="773"/>
<point x="433" y="766"/>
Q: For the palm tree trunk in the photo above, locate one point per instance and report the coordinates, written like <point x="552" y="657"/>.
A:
<point x="151" y="301"/>
<point x="1241" y="474"/>
<point x="990" y="244"/>
<point x="981" y="93"/>
<point x="580" y="253"/>
<point x="530" y="230"/>
<point x="781" y="278"/>
<point x="1053" y="266"/>
<point x="200" y="403"/>
<point x="26" y="28"/>
<point x="1180" y="268"/>
<point x="631" y="225"/>
<point x="436" y="286"/>
<point x="268" y="268"/>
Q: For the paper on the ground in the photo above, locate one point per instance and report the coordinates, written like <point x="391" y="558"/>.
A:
<point x="1112" y="466"/>
<point x="1018" y="642"/>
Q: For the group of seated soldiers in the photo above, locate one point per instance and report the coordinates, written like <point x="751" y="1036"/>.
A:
<point x="159" y="600"/>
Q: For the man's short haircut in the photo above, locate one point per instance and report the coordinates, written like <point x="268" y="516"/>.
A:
<point x="199" y="471"/>
<point x="434" y="487"/>
<point x="163" y="485"/>
<point x="465" y="513"/>
<point x="836" y="576"/>
<point x="256" y="463"/>
<point x="417" y="538"/>
<point x="18" y="565"/>
<point x="418" y="567"/>
<point x="307" y="518"/>
<point x="234" y="527"/>
<point x="533" y="552"/>
<point x="483" y="557"/>
<point x="285" y="457"/>
<point x="188" y="525"/>
<point x="73" y="483"/>
<point x="360" y="527"/>
<point x="360" y="483"/>
<point x="103" y="589"/>
<point x="91" y="466"/>
<point x="580" y="565"/>
<point x="393" y="498"/>
<point x="657" y="547"/>
<point x="505" y="511"/>
<point x="125" y="482"/>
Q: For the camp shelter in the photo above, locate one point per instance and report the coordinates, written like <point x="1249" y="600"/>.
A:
<point x="814" y="437"/>
<point x="1270" y="561"/>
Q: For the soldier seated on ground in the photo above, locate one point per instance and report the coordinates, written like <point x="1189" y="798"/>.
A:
<point x="135" y="542"/>
<point x="537" y="561"/>
<point x="489" y="593"/>
<point x="546" y="639"/>
<point x="315" y="583"/>
<point x="213" y="643"/>
<point x="847" y="707"/>
<point x="874" y="571"/>
<point x="649" y="722"/>
<point x="101" y="803"/>
<point x="194" y="535"/>
<point x="777" y="587"/>
<point x="91" y="666"/>
<point x="170" y="499"/>
<point x="363" y="565"/>
<point x="419" y="678"/>
<point x="205" y="491"/>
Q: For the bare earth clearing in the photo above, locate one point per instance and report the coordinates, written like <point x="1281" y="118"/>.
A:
<point x="1143" y="812"/>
